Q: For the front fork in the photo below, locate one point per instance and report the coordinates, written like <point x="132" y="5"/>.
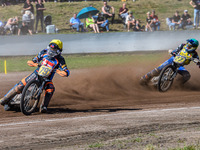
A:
<point x="174" y="75"/>
<point x="39" y="91"/>
<point x="175" y="69"/>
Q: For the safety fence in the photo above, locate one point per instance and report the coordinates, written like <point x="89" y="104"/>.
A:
<point x="97" y="43"/>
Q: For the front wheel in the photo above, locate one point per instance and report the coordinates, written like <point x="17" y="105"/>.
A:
<point x="30" y="98"/>
<point x="166" y="78"/>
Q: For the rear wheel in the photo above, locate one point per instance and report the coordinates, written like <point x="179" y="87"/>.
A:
<point x="29" y="99"/>
<point x="165" y="79"/>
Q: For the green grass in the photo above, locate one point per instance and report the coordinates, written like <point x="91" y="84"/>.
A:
<point x="62" y="12"/>
<point x="190" y="147"/>
<point x="18" y="64"/>
<point x="96" y="145"/>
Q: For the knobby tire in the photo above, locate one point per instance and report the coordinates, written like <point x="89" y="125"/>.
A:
<point x="164" y="83"/>
<point x="24" y="102"/>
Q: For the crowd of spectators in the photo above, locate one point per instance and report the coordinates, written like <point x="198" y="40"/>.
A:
<point x="25" y="25"/>
<point x="97" y="23"/>
<point x="179" y="22"/>
<point x="107" y="16"/>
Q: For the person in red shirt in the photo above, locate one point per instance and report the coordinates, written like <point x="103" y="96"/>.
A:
<point x="156" y="23"/>
<point x="123" y="12"/>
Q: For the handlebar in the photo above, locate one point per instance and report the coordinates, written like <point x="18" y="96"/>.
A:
<point x="195" y="60"/>
<point x="61" y="73"/>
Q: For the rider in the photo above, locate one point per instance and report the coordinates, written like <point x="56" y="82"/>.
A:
<point x="50" y="57"/>
<point x="190" y="47"/>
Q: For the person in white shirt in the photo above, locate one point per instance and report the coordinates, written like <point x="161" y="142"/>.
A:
<point x="130" y="21"/>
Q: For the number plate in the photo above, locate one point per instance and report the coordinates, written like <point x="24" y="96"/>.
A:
<point x="179" y="59"/>
<point x="44" y="71"/>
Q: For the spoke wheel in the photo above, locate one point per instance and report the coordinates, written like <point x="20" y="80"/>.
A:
<point x="165" y="80"/>
<point x="29" y="100"/>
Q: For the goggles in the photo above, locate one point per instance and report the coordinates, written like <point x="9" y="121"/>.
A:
<point x="53" y="50"/>
<point x="189" y="46"/>
<point x="54" y="47"/>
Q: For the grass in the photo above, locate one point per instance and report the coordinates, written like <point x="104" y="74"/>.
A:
<point x="190" y="147"/>
<point x="62" y="12"/>
<point x="132" y="143"/>
<point x="18" y="64"/>
<point x="96" y="145"/>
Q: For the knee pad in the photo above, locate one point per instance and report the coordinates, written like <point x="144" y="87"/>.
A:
<point x="19" y="87"/>
<point x="49" y="88"/>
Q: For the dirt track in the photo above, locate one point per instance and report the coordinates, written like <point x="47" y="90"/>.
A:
<point x="105" y="104"/>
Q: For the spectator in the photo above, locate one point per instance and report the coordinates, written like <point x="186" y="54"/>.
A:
<point x="185" y="19"/>
<point x="39" y="16"/>
<point x="3" y="3"/>
<point x="24" y="29"/>
<point x="11" y="24"/>
<point x="169" y="22"/>
<point x="156" y="23"/>
<point x="176" y="21"/>
<point x="123" y="12"/>
<point x="138" y="27"/>
<point x="196" y="5"/>
<point x="130" y="21"/>
<point x="1" y="28"/>
<point x="90" y="22"/>
<point x="76" y="23"/>
<point x="29" y="6"/>
<point x="102" y="22"/>
<point x="106" y="11"/>
<point x="149" y="21"/>
<point x="26" y="18"/>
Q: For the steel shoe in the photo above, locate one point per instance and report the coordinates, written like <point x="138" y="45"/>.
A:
<point x="7" y="107"/>
<point x="43" y="109"/>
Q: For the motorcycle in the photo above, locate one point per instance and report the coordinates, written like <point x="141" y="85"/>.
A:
<point x="30" y="96"/>
<point x="164" y="81"/>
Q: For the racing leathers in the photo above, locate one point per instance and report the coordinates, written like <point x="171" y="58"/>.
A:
<point x="181" y="70"/>
<point x="57" y="62"/>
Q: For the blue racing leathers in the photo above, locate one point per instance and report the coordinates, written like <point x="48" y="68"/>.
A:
<point x="181" y="70"/>
<point x="57" y="62"/>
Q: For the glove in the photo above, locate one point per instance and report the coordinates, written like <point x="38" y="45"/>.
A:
<point x="62" y="73"/>
<point x="32" y="64"/>
<point x="196" y="61"/>
<point x="170" y="51"/>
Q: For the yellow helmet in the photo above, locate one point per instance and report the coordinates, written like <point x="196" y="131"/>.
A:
<point x="57" y="44"/>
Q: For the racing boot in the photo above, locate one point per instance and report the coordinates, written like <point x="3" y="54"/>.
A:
<point x="146" y="78"/>
<point x="185" y="76"/>
<point x="7" y="107"/>
<point x="8" y="97"/>
<point x="47" y="98"/>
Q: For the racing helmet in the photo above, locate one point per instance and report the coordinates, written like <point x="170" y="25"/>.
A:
<point x="191" y="45"/>
<point x="54" y="48"/>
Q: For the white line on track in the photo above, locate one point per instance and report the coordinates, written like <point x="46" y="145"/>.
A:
<point x="105" y="115"/>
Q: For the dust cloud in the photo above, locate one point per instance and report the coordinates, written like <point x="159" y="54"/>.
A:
<point x="115" y="86"/>
<point x="118" y="86"/>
